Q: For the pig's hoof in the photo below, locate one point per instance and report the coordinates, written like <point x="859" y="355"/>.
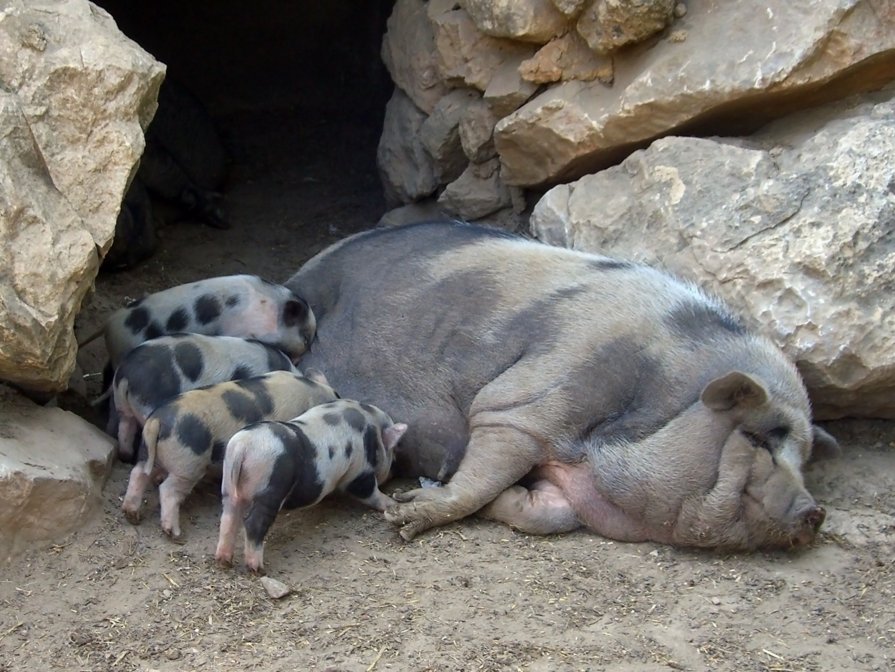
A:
<point x="408" y="519"/>
<point x="406" y="496"/>
<point x="223" y="561"/>
<point x="133" y="517"/>
<point x="174" y="535"/>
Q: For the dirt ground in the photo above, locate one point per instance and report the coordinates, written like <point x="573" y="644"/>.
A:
<point x="471" y="596"/>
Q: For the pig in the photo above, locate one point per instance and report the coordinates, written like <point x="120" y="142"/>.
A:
<point x="342" y="445"/>
<point x="185" y="163"/>
<point x="160" y="369"/>
<point x="231" y="305"/>
<point x="135" y="230"/>
<point x="186" y="435"/>
<point x="554" y="389"/>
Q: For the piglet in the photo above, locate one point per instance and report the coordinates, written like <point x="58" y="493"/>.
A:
<point x="231" y="305"/>
<point x="342" y="445"/>
<point x="160" y="369"/>
<point x="184" y="436"/>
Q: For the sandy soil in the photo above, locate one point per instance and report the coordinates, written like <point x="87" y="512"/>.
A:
<point x="471" y="596"/>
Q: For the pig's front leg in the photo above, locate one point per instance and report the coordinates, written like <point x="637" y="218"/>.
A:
<point x="496" y="457"/>
<point x="366" y="489"/>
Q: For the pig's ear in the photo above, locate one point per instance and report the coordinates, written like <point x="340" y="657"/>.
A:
<point x="734" y="389"/>
<point x="392" y="434"/>
<point x="824" y="446"/>
<point x="317" y="376"/>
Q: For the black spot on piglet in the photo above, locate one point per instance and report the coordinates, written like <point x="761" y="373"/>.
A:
<point x="189" y="359"/>
<point x="371" y="445"/>
<point x="207" y="308"/>
<point x="178" y="320"/>
<point x="154" y="330"/>
<point x="355" y="419"/>
<point x="332" y="419"/>
<point x="137" y="320"/>
<point x="362" y="486"/>
<point x="193" y="434"/>
<point x="241" y="406"/>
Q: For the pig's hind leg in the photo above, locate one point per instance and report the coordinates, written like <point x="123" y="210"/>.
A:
<point x="172" y="492"/>
<point x="496" y="457"/>
<point x="543" y="509"/>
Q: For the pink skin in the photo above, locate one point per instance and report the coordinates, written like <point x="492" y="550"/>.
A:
<point x="595" y="511"/>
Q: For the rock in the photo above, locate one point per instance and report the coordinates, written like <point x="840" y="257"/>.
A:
<point x="607" y="25"/>
<point x="564" y="58"/>
<point x="569" y="8"/>
<point x="76" y="98"/>
<point x="276" y="589"/>
<point x="791" y="55"/>
<point x="405" y="167"/>
<point x="468" y="57"/>
<point x="414" y="212"/>
<point x="793" y="227"/>
<point x="440" y="134"/>
<point x="477" y="192"/>
<point x="526" y="20"/>
<point x="506" y="90"/>
<point x="477" y="132"/>
<point x="52" y="468"/>
<point x="408" y="51"/>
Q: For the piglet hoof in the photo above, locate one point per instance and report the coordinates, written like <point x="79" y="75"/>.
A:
<point x="223" y="561"/>
<point x="174" y="535"/>
<point x="133" y="516"/>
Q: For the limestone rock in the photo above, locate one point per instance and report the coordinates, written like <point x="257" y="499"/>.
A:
<point x="526" y="20"/>
<point x="75" y="100"/>
<point x="477" y="192"/>
<point x="778" y="60"/>
<point x="440" y="134"/>
<point x="52" y="468"/>
<point x="477" y="132"/>
<point x="506" y="90"/>
<point x="405" y="167"/>
<point x="468" y="57"/>
<point x="607" y="25"/>
<point x="413" y="212"/>
<point x="277" y="590"/>
<point x="794" y="228"/>
<point x="564" y="58"/>
<point x="569" y="8"/>
<point x="408" y="51"/>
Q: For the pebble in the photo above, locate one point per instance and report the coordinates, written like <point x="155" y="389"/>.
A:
<point x="276" y="589"/>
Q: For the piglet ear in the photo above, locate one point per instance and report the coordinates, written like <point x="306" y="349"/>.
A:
<point x="317" y="376"/>
<point x="734" y="389"/>
<point x="824" y="446"/>
<point x="392" y="434"/>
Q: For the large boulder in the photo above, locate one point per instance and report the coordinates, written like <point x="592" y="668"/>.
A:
<point x="76" y="97"/>
<point x="794" y="227"/>
<point x="789" y="55"/>
<point x="526" y="20"/>
<point x="52" y="468"/>
<point x="406" y="169"/>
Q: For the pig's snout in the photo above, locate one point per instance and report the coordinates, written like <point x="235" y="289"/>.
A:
<point x="809" y="521"/>
<point x="814" y="517"/>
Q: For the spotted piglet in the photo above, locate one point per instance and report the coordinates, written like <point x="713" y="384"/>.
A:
<point x="160" y="369"/>
<point x="342" y="445"/>
<point x="231" y="305"/>
<point x="184" y="436"/>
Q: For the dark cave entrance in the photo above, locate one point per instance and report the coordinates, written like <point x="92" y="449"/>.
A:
<point x="297" y="93"/>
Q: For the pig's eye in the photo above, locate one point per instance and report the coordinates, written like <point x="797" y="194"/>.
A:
<point x="778" y="433"/>
<point x="757" y="441"/>
<point x="760" y="442"/>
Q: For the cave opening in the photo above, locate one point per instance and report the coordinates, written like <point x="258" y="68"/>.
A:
<point x="297" y="94"/>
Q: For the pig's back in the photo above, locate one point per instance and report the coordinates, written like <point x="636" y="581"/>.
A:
<point x="438" y="322"/>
